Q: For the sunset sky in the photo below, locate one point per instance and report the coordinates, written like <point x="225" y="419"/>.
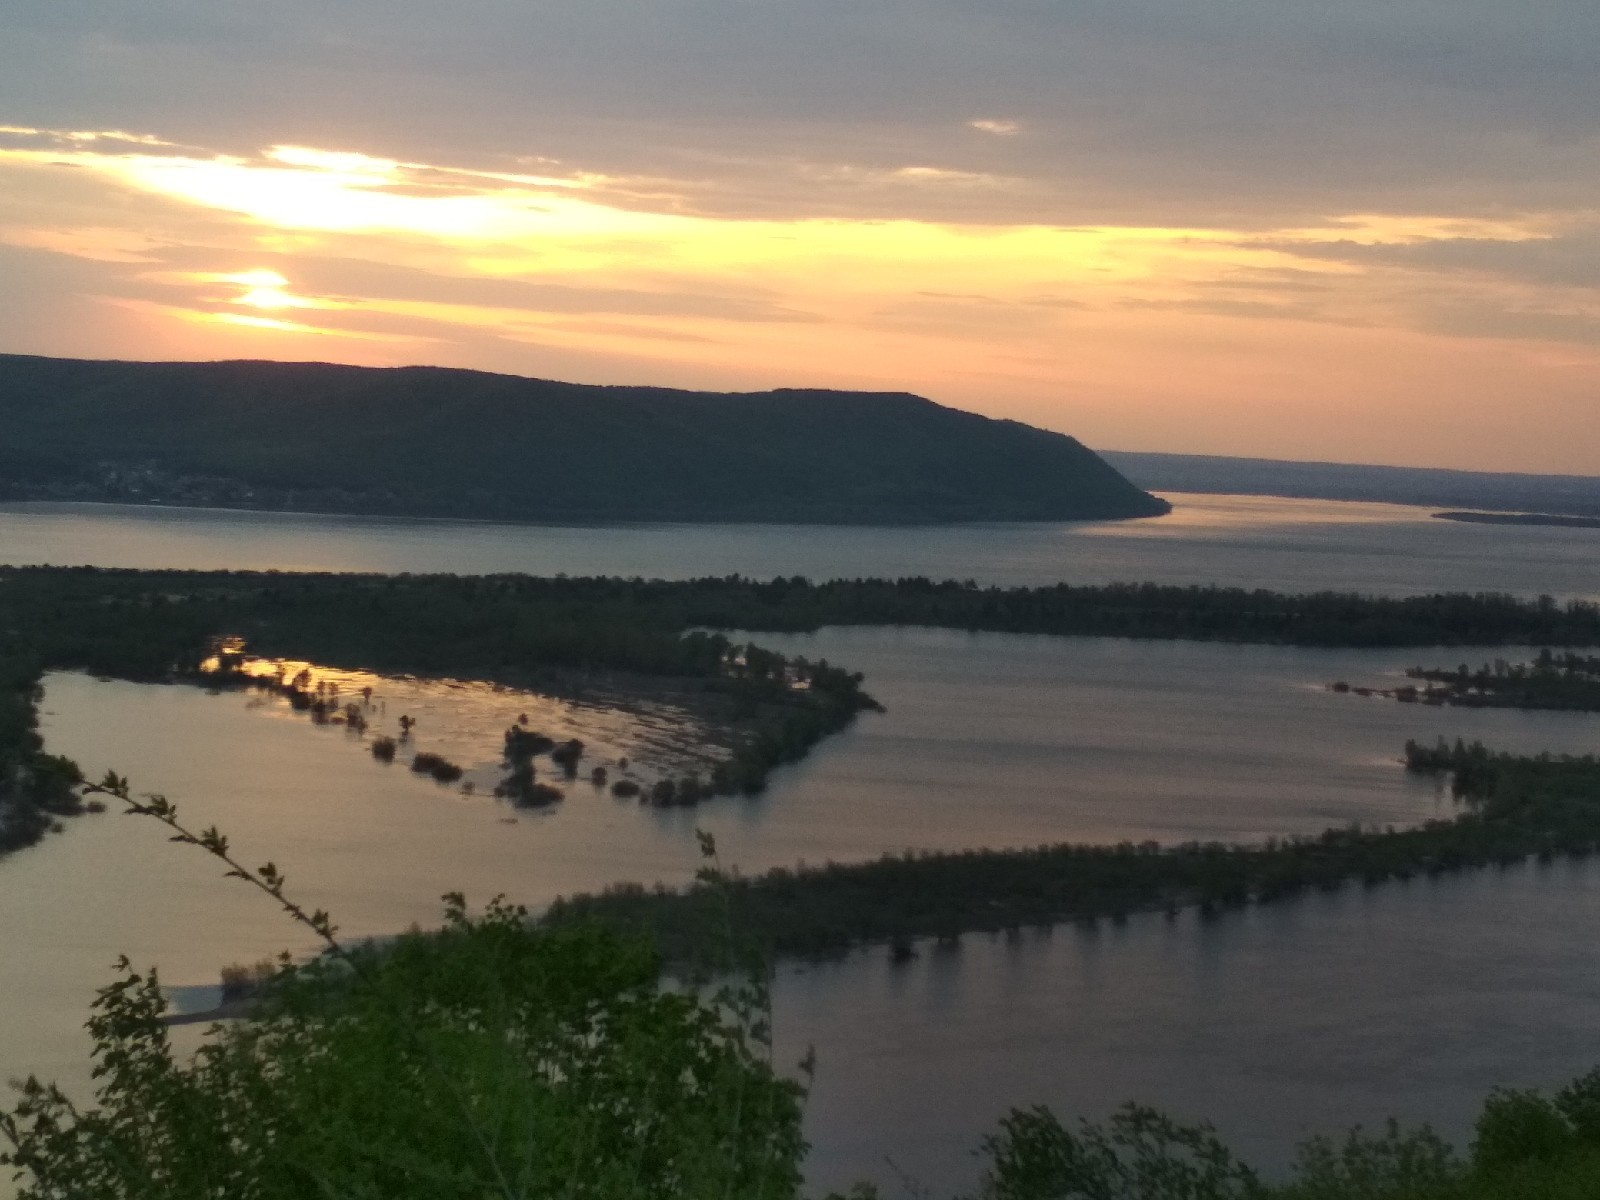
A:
<point x="1355" y="230"/>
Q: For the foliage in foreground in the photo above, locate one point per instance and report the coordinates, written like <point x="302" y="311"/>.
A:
<point x="487" y="1061"/>
<point x="1526" y="1147"/>
<point x="481" y="1061"/>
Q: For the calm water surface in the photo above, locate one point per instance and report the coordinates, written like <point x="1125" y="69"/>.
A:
<point x="1255" y="541"/>
<point x="1408" y="1001"/>
<point x="989" y="739"/>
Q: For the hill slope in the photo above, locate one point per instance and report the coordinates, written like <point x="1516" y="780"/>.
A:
<point x="437" y="442"/>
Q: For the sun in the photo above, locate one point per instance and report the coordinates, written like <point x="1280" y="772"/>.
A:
<point x="263" y="288"/>
<point x="269" y="297"/>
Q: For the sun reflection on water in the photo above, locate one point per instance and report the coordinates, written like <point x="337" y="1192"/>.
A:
<point x="635" y="738"/>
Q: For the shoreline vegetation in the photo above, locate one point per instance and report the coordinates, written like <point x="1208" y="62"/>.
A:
<point x="1512" y="808"/>
<point x="472" y="625"/>
<point x="575" y="635"/>
<point x="37" y="790"/>
<point x="1554" y="681"/>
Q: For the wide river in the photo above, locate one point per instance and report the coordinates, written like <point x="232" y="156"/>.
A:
<point x="1254" y="541"/>
<point x="1405" y="1000"/>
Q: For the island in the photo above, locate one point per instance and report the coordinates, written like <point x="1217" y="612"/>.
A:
<point x="1511" y="808"/>
<point x="1563" y="681"/>
<point x="1563" y="520"/>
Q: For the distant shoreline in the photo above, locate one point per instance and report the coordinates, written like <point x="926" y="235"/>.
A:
<point x="1498" y="518"/>
<point x="1427" y="487"/>
<point x="59" y="507"/>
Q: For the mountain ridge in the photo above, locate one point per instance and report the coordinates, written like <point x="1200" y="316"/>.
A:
<point x="442" y="441"/>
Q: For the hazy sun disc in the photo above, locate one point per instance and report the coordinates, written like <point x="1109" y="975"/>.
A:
<point x="271" y="297"/>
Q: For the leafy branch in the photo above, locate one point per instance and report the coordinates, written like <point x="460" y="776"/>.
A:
<point x="269" y="879"/>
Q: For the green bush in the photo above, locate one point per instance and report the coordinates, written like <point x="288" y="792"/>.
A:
<point x="1399" y="1165"/>
<point x="485" y="1060"/>
<point x="1139" y="1154"/>
<point x="1579" y="1103"/>
<point x="1518" y="1127"/>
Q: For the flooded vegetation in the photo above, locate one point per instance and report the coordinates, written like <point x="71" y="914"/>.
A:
<point x="438" y="766"/>
<point x="1555" y="680"/>
<point x="444" y="728"/>
<point x="37" y="790"/>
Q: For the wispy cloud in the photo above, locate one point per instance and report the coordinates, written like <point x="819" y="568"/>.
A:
<point x="82" y="137"/>
<point x="97" y="243"/>
<point x="1000" y="128"/>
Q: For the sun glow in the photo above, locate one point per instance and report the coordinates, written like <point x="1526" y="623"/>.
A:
<point x="261" y="278"/>
<point x="248" y="322"/>
<point x="254" y="322"/>
<point x="293" y="188"/>
<point x="271" y="297"/>
<point x="340" y="162"/>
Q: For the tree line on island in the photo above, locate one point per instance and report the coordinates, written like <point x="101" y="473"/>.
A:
<point x="146" y="623"/>
<point x="1513" y="808"/>
<point x="1559" y="680"/>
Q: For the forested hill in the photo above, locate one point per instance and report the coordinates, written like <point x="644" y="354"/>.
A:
<point x="429" y="441"/>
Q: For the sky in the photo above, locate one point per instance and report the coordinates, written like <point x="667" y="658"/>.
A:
<point x="1350" y="230"/>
